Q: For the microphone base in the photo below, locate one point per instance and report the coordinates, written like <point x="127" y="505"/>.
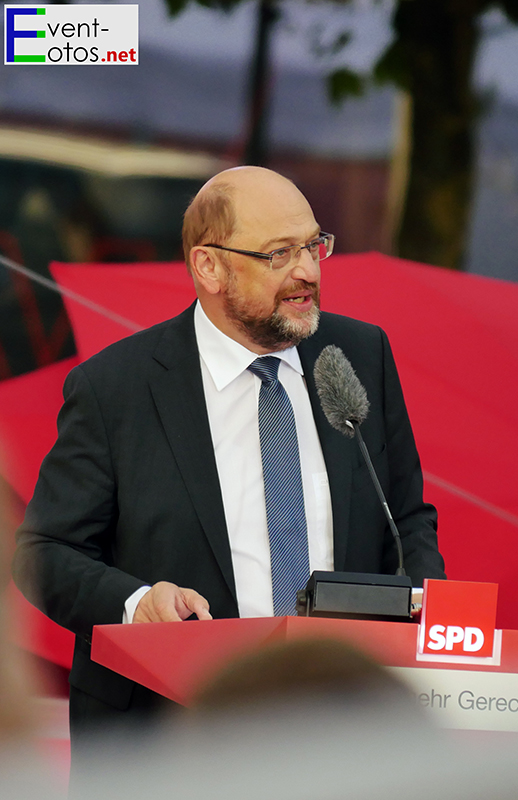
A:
<point x="356" y="595"/>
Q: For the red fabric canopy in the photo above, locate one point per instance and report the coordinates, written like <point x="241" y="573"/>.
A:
<point x="455" y="339"/>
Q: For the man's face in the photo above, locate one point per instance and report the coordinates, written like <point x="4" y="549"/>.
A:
<point x="272" y="309"/>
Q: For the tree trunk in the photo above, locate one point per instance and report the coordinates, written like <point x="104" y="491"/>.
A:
<point x="256" y="149"/>
<point x="398" y="175"/>
<point x="438" y="40"/>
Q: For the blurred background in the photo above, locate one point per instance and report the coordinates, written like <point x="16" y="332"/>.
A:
<point x="398" y="119"/>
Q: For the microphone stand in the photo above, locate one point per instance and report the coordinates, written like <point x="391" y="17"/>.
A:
<point x="377" y="485"/>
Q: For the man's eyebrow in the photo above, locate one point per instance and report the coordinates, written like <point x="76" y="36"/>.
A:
<point x="280" y="242"/>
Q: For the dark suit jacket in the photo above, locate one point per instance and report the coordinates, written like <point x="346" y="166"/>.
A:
<point x="129" y="495"/>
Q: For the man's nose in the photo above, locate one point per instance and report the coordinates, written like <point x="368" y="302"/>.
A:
<point x="306" y="268"/>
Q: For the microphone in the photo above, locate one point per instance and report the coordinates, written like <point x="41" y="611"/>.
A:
<point x="342" y="396"/>
<point x="344" y="402"/>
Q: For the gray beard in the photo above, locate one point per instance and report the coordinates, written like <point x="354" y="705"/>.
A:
<point x="275" y="332"/>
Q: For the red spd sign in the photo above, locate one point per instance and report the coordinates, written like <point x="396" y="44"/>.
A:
<point x="458" y="618"/>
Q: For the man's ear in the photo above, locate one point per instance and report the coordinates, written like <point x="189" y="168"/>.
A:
<point x="207" y="270"/>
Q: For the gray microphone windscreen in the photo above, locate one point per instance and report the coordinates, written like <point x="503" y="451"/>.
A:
<point x="342" y="396"/>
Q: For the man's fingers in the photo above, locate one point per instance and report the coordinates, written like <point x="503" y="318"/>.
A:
<point x="196" y="604"/>
<point x="201" y="610"/>
<point x="166" y="612"/>
<point x="148" y="612"/>
<point x="166" y="602"/>
<point x="159" y="604"/>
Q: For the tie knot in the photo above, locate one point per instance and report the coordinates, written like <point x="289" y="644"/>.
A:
<point x="265" y="368"/>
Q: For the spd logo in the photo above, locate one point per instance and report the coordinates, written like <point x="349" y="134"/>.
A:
<point x="444" y="638"/>
<point x="458" y="619"/>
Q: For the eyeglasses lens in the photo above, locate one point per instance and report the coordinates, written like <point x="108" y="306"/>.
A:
<point x="319" y="249"/>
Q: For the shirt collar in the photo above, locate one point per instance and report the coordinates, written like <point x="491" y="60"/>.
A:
<point x="225" y="358"/>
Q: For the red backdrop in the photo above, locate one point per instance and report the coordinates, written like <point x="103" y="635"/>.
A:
<point x="455" y="339"/>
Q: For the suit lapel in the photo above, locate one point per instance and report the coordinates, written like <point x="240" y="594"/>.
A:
<point x="337" y="449"/>
<point x="180" y="401"/>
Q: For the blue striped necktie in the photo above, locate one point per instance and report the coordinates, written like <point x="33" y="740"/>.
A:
<point x="284" y="495"/>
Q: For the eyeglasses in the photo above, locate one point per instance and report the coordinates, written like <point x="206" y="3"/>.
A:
<point x="319" y="249"/>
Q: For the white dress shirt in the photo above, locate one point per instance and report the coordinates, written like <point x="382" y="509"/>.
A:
<point x="231" y="395"/>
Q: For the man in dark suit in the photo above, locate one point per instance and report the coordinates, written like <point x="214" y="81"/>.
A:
<point x="151" y="505"/>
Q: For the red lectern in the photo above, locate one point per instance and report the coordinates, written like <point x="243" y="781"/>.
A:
<point x="175" y="658"/>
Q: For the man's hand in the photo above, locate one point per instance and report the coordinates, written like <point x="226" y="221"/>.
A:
<point x="166" y="602"/>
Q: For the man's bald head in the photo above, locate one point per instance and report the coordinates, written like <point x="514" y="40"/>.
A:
<point x="213" y="215"/>
<point x="238" y="218"/>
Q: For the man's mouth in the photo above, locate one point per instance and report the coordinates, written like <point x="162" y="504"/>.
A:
<point x="303" y="300"/>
